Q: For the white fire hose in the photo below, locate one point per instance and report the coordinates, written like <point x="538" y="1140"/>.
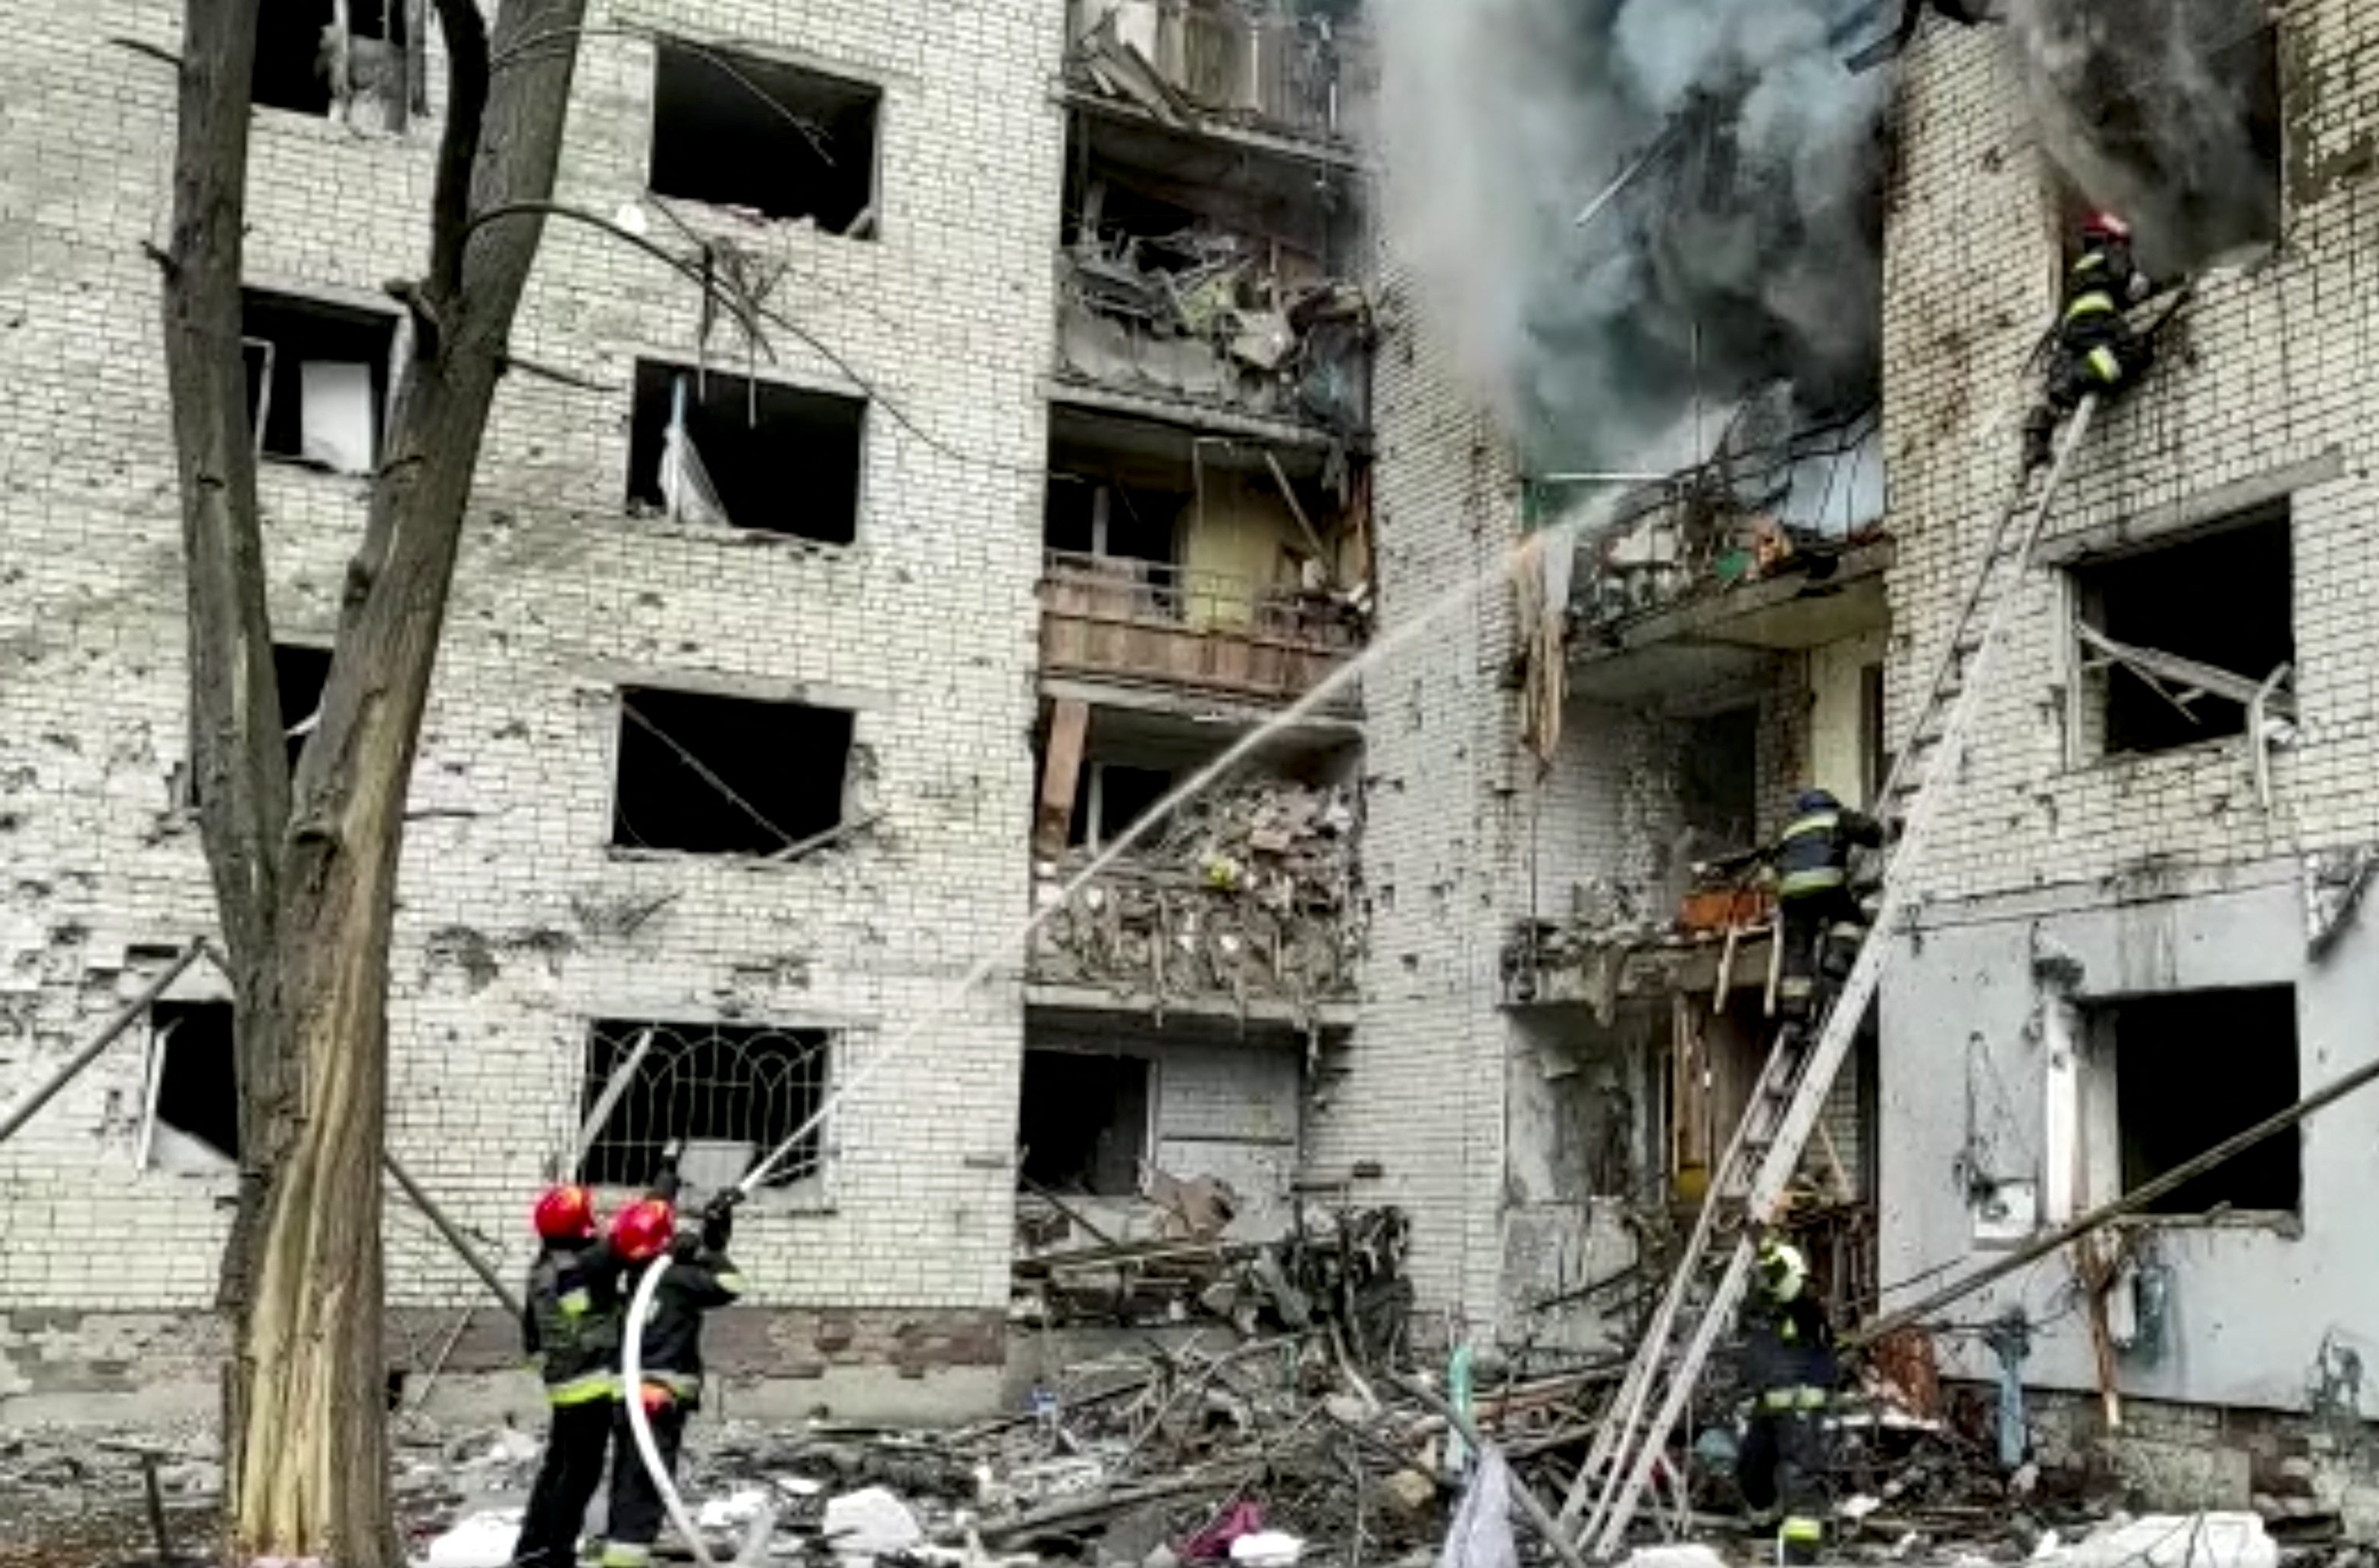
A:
<point x="640" y="1426"/>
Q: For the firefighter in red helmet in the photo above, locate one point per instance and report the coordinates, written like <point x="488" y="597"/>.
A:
<point x="571" y="1325"/>
<point x="2097" y="349"/>
<point x="699" y="1279"/>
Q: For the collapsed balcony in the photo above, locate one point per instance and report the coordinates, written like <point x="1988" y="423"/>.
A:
<point x="1215" y="280"/>
<point x="1193" y="562"/>
<point x="1242" y="903"/>
<point x="1283" y="67"/>
<point x="1775" y="544"/>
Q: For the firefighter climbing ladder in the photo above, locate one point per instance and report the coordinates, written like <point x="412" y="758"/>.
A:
<point x="1766" y="1149"/>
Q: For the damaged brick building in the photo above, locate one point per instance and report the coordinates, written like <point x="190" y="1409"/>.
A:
<point x="2136" y="931"/>
<point x="780" y="678"/>
<point x="775" y="688"/>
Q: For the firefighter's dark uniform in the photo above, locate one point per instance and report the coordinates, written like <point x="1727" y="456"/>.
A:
<point x="1820" y="922"/>
<point x="569" y="1323"/>
<point x="700" y="1279"/>
<point x="1790" y="1367"/>
<point x="2097" y="350"/>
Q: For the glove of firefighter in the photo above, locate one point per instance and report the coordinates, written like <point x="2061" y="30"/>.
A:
<point x="665" y="1186"/>
<point x="719" y="1219"/>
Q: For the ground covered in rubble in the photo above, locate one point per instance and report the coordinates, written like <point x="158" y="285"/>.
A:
<point x="1268" y="1450"/>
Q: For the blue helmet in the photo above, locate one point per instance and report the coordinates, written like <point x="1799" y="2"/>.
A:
<point x="1815" y="801"/>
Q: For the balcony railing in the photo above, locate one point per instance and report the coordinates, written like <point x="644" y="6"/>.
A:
<point x="1245" y="899"/>
<point x="1148" y="621"/>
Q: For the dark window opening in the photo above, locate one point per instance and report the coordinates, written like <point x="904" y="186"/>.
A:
<point x="1091" y="516"/>
<point x="1084" y="1122"/>
<point x="1720" y="782"/>
<point x="734" y="130"/>
<point x="293" y="44"/>
<point x="2194" y="1067"/>
<point x="1112" y="797"/>
<point x="300" y="673"/>
<point x="2204" y="165"/>
<point x="730" y="1094"/>
<point x="727" y="776"/>
<point x="2222" y="599"/>
<point x="197" y="1090"/>
<point x="317" y="379"/>
<point x="752" y="454"/>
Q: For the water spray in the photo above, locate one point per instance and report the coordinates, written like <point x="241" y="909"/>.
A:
<point x="1197" y="784"/>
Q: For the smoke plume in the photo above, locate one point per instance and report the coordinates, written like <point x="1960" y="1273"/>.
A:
<point x="2167" y="111"/>
<point x="1745" y="251"/>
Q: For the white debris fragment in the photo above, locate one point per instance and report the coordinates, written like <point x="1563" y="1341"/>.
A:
<point x="1267" y="1548"/>
<point x="2176" y="1540"/>
<point x="1683" y="1554"/>
<point x="733" y="1511"/>
<point x="1859" y="1507"/>
<point x="512" y="1448"/>
<point x="478" y="1540"/>
<point x="797" y="1485"/>
<point x="864" y="1526"/>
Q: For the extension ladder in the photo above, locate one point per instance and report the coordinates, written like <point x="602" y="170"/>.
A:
<point x="1765" y="1150"/>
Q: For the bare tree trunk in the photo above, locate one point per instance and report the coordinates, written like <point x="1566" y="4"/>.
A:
<point x="306" y="875"/>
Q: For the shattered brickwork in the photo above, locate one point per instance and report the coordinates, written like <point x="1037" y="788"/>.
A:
<point x="925" y="627"/>
<point x="2151" y="874"/>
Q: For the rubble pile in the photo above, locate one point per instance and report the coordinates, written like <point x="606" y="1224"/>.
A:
<point x="1211" y="317"/>
<point x="1349" y="1277"/>
<point x="1245" y="894"/>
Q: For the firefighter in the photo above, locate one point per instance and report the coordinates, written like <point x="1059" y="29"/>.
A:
<point x="2096" y="349"/>
<point x="1821" y="923"/>
<point x="570" y="1324"/>
<point x="1790" y="1368"/>
<point x="700" y="1278"/>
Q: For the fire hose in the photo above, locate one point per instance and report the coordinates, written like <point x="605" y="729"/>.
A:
<point x="640" y="1428"/>
<point x="640" y="1421"/>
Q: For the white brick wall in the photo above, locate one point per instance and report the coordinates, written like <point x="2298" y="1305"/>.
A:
<point x="925" y="625"/>
<point x="2269" y="367"/>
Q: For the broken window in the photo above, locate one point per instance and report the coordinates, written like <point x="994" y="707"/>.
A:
<point x="1112" y="797"/>
<point x="1720" y="782"/>
<point x="730" y="1094"/>
<point x="2179" y="110"/>
<point x="2180" y="642"/>
<point x="736" y="130"/>
<point x="2192" y="1068"/>
<point x="1112" y="521"/>
<point x="305" y="63"/>
<point x="192" y="1123"/>
<point x="727" y="776"/>
<point x="317" y="379"/>
<point x="300" y="673"/>
<point x="722" y="450"/>
<point x="1084" y="1122"/>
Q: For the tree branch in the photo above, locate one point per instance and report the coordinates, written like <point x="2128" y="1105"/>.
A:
<point x="458" y="146"/>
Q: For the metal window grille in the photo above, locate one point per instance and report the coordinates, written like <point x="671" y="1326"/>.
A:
<point x="731" y="1093"/>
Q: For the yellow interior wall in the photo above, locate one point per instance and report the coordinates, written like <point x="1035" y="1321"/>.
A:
<point x="1246" y="525"/>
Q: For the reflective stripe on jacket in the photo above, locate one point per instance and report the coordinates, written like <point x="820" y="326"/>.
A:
<point x="570" y="1322"/>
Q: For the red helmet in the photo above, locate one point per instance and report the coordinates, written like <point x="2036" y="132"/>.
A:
<point x="2105" y="226"/>
<point x="644" y="1229"/>
<point x="565" y="1214"/>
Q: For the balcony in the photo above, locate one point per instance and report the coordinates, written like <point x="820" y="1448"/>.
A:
<point x="1140" y="621"/>
<point x="1773" y="546"/>
<point x="1267" y="69"/>
<point x="1241" y="905"/>
<point x="1207" y="276"/>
